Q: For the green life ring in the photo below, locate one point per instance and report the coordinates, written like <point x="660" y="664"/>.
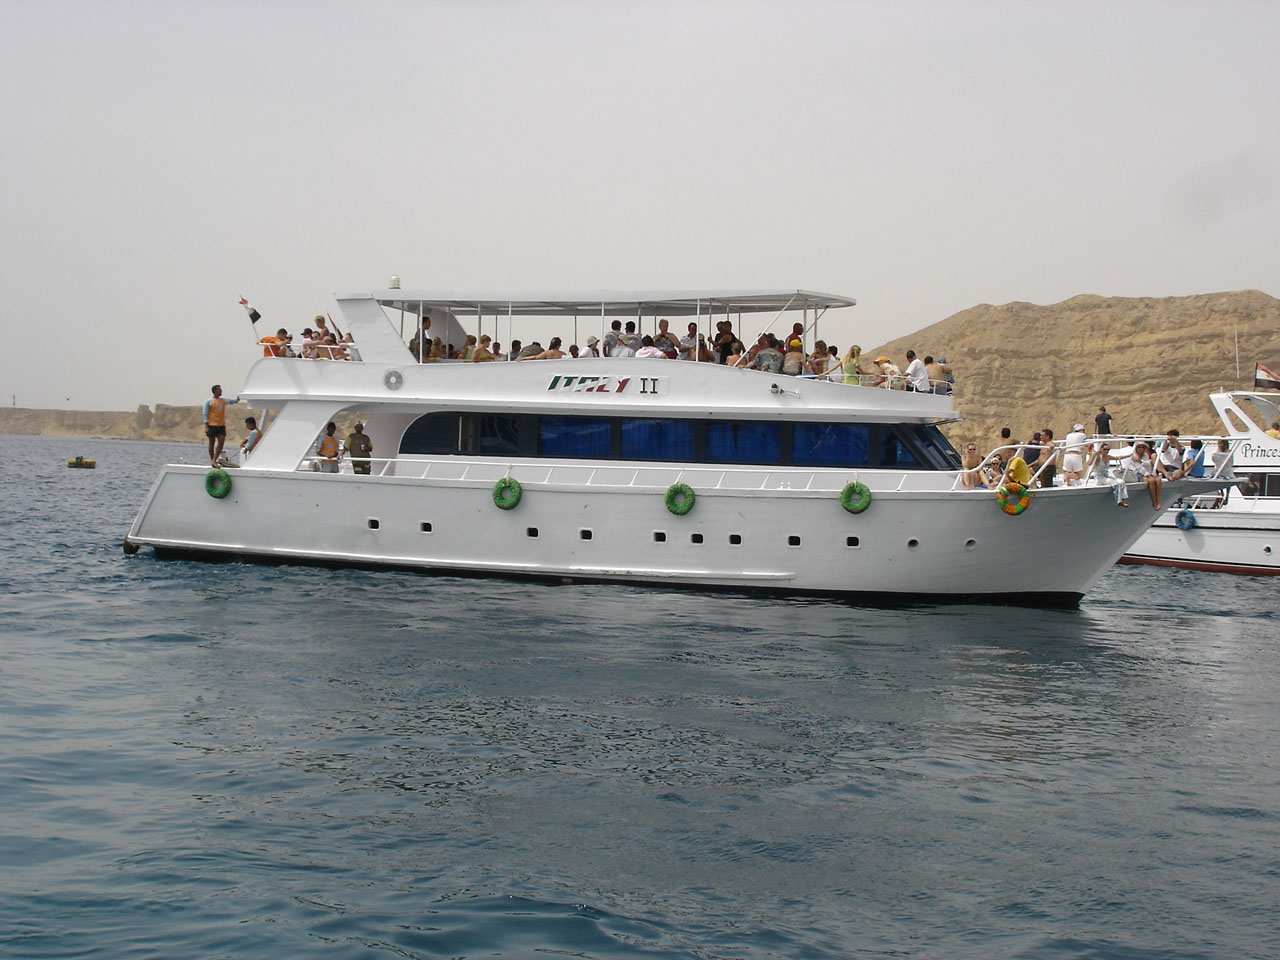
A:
<point x="507" y="493"/>
<point x="217" y="483"/>
<point x="855" y="497"/>
<point x="680" y="498"/>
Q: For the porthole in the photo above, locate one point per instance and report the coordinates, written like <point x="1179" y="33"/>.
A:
<point x="913" y="543"/>
<point x="373" y="523"/>
<point x="735" y="539"/>
<point x="1267" y="550"/>
<point x="584" y="534"/>
<point x="793" y="541"/>
<point x="531" y="532"/>
<point x="852" y="541"/>
<point x="424" y="527"/>
<point x="695" y="538"/>
<point x="971" y="544"/>
<point x="659" y="536"/>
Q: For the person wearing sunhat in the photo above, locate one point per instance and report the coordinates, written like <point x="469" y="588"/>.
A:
<point x="593" y="349"/>
<point x="890" y="376"/>
<point x="1073" y="455"/>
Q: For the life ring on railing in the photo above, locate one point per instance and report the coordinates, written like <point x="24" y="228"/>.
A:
<point x="507" y="493"/>
<point x="1185" y="520"/>
<point x="1013" y="497"/>
<point x="855" y="497"/>
<point x="680" y="498"/>
<point x="217" y="483"/>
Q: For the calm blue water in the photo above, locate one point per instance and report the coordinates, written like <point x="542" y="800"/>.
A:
<point x="253" y="762"/>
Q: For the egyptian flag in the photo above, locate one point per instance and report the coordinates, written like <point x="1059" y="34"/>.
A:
<point x="1264" y="378"/>
<point x="254" y="315"/>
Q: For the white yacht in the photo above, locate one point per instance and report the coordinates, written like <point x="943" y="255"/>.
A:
<point x="1236" y="530"/>
<point x="644" y="471"/>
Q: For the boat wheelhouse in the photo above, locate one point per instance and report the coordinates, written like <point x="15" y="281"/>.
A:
<point x="1235" y="530"/>
<point x="646" y="471"/>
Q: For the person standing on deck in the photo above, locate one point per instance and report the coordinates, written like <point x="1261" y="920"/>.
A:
<point x="1102" y="423"/>
<point x="215" y="422"/>
<point x="327" y="450"/>
<point x="251" y="441"/>
<point x="359" y="450"/>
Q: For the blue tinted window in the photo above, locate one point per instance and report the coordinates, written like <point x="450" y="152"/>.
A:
<point x="657" y="440"/>
<point x="436" y="433"/>
<point x="744" y="442"/>
<point x="499" y="435"/>
<point x="893" y="452"/>
<point x="574" y="437"/>
<point x="831" y="444"/>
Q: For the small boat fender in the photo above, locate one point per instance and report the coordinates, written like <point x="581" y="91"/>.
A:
<point x="855" y="497"/>
<point x="1185" y="520"/>
<point x="217" y="483"/>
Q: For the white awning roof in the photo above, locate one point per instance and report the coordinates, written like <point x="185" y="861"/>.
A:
<point x="613" y="303"/>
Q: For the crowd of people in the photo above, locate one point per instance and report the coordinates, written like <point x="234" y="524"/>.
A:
<point x="317" y="343"/>
<point x="1079" y="459"/>
<point x="787" y="356"/>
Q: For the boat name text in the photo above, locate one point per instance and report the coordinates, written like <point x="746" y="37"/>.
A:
<point x="1258" y="451"/>
<point x="631" y="385"/>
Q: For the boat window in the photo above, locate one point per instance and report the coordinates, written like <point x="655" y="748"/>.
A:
<point x="893" y="452"/>
<point x="435" y="433"/>
<point x="499" y="435"/>
<point x="657" y="439"/>
<point x="936" y="448"/>
<point x="574" y="437"/>
<point x="831" y="444"/>
<point x="744" y="442"/>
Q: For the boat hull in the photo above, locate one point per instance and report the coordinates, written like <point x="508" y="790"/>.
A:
<point x="775" y="532"/>
<point x="1220" y="542"/>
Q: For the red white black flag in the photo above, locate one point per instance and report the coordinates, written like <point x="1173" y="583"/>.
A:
<point x="1264" y="378"/>
<point x="254" y="315"/>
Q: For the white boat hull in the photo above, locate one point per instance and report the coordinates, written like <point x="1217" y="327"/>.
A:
<point x="1221" y="541"/>
<point x="784" y="533"/>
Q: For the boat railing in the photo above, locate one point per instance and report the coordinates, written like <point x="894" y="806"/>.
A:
<point x="1098" y="471"/>
<point x="646" y="476"/>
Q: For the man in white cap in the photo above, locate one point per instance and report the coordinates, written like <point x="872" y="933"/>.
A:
<point x="1073" y="455"/>
<point x="359" y="450"/>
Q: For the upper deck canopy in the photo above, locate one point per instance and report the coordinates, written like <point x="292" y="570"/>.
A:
<point x="612" y="303"/>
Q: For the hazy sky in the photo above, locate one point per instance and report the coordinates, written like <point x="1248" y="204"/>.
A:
<point x="160" y="159"/>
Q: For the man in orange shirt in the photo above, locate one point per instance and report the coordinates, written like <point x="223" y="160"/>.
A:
<point x="275" y="346"/>
<point x="215" y="422"/>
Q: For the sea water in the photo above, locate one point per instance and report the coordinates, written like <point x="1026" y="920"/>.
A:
<point x="203" y="760"/>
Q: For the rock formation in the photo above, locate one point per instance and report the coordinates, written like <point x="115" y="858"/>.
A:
<point x="1151" y="362"/>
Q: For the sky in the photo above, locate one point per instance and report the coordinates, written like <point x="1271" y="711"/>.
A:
<point x="163" y="159"/>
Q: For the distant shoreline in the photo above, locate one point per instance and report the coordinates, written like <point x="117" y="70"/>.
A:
<point x="165" y="423"/>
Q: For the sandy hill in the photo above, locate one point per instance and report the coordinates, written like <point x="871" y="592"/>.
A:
<point x="1151" y="362"/>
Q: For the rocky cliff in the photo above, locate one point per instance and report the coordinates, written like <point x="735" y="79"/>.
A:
<point x="1151" y="362"/>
